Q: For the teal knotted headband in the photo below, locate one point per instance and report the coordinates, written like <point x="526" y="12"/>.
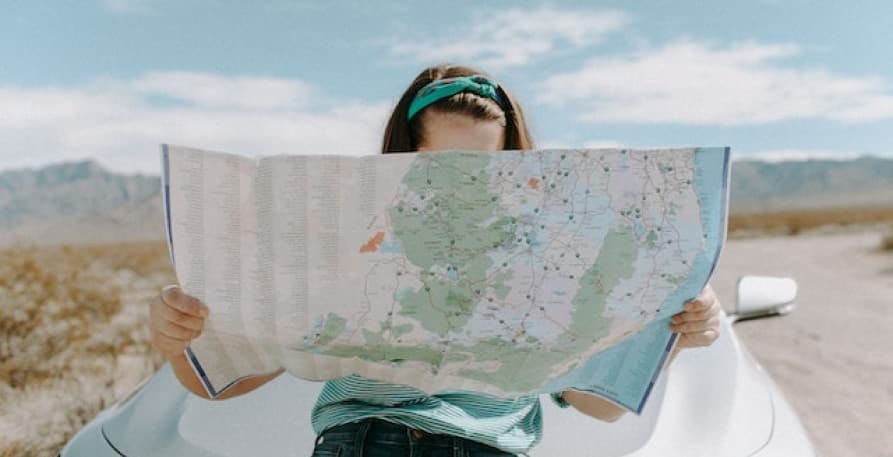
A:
<point x="442" y="88"/>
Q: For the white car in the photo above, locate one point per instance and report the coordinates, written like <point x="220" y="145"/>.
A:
<point x="715" y="401"/>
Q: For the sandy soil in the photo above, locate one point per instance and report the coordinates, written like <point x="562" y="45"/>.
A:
<point x="833" y="356"/>
<point x="73" y="337"/>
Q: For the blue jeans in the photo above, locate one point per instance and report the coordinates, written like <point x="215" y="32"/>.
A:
<point x="380" y="438"/>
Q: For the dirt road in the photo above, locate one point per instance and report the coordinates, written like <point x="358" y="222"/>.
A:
<point x="833" y="356"/>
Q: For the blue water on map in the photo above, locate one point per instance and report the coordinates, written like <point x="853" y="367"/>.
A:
<point x="402" y="293"/>
<point x="392" y="247"/>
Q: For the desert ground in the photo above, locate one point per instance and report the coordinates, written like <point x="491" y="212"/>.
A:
<point x="75" y="340"/>
<point x="832" y="356"/>
<point x="74" y="337"/>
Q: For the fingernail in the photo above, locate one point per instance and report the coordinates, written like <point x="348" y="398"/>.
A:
<point x="170" y="292"/>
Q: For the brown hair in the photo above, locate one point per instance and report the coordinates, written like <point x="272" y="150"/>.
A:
<point x="401" y="135"/>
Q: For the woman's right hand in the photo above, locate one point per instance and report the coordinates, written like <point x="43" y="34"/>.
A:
<point x="175" y="319"/>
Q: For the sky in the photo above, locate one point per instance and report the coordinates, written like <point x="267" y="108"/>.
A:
<point x="111" y="80"/>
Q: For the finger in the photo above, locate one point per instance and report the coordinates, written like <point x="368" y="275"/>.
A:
<point x="175" y="332"/>
<point x="698" y="326"/>
<point x="705" y="338"/>
<point x="695" y="326"/>
<point x="702" y="302"/>
<point x="179" y="300"/>
<point x="163" y="339"/>
<point x="192" y="332"/>
<point x="693" y="316"/>
<point x="698" y="304"/>
<point x="180" y="318"/>
<point x="690" y="316"/>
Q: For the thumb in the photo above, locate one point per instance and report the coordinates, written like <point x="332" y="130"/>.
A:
<point x="174" y="297"/>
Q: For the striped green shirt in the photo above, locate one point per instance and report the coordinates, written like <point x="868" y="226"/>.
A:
<point x="511" y="424"/>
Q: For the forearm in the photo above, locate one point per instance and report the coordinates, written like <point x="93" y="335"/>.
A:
<point x="184" y="372"/>
<point x="593" y="405"/>
<point x="598" y="407"/>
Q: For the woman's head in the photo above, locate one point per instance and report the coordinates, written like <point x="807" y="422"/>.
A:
<point x="465" y="120"/>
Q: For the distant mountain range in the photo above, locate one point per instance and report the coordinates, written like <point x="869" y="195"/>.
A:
<point x="81" y="202"/>
<point x="67" y="189"/>
<point x="78" y="202"/>
<point x="811" y="184"/>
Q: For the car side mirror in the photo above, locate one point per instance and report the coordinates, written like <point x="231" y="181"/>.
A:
<point x="764" y="296"/>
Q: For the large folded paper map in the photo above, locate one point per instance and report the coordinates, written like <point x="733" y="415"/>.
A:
<point x="505" y="273"/>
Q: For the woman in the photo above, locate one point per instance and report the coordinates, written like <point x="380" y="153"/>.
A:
<point x="446" y="107"/>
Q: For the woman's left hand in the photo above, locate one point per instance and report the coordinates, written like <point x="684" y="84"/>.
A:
<point x="698" y="325"/>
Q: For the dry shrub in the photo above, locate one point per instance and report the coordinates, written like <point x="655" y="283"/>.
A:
<point x="11" y="451"/>
<point x="794" y="222"/>
<point x="144" y="258"/>
<point x="74" y="336"/>
<point x="887" y="242"/>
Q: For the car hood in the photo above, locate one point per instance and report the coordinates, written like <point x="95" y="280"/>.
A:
<point x="711" y="401"/>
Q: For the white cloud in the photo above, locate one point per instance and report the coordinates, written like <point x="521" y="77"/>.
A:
<point x="798" y="155"/>
<point x="597" y="144"/>
<point x="690" y="82"/>
<point x="122" y="122"/>
<point x="216" y="91"/>
<point x="500" y="39"/>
